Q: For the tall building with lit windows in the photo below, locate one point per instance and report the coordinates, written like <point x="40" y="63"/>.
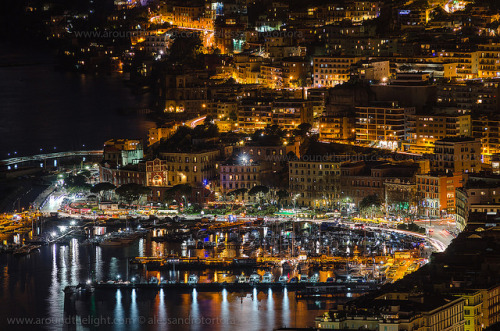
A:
<point x="457" y="154"/>
<point x="329" y="71"/>
<point x="429" y="128"/>
<point x="489" y="60"/>
<point x="385" y="124"/>
<point x="436" y="193"/>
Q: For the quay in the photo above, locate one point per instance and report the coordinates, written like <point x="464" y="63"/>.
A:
<point x="191" y="263"/>
<point x="306" y="288"/>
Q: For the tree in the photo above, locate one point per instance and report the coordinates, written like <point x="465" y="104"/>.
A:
<point x="101" y="188"/>
<point x="237" y="192"/>
<point x="282" y="194"/>
<point x="177" y="192"/>
<point x="76" y="183"/>
<point x="258" y="189"/>
<point x="185" y="49"/>
<point x="132" y="191"/>
<point x="370" y="204"/>
<point x="370" y="201"/>
<point x="302" y="130"/>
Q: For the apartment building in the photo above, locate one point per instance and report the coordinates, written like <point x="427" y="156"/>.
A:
<point x="329" y="71"/>
<point x="386" y="125"/>
<point x="457" y="154"/>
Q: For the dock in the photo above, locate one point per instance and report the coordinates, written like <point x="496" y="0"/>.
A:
<point x="305" y="288"/>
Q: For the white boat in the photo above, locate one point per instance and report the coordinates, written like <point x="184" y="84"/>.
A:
<point x="304" y="279"/>
<point x="254" y="278"/>
<point x="267" y="278"/>
<point x="242" y="279"/>
<point x="193" y="279"/>
<point x="283" y="279"/>
<point x="314" y="278"/>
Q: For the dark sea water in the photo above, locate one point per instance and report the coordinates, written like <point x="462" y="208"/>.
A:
<point x="41" y="108"/>
<point x="32" y="287"/>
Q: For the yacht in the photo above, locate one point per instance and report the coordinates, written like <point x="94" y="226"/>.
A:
<point x="193" y="279"/>
<point x="242" y="279"/>
<point x="283" y="279"/>
<point x="254" y="278"/>
<point x="314" y="278"/>
<point x="268" y="277"/>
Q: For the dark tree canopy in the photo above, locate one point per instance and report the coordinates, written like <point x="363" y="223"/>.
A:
<point x="132" y="191"/>
<point x="101" y="187"/>
<point x="258" y="189"/>
<point x="185" y="49"/>
<point x="77" y="182"/>
<point x="370" y="201"/>
<point x="237" y="192"/>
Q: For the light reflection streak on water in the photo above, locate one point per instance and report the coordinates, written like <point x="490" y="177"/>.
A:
<point x="98" y="263"/>
<point x="162" y="311"/>
<point x="270" y="310"/>
<point x="286" y="308"/>
<point x="224" y="311"/>
<point x="118" y="313"/>
<point x="134" y="311"/>
<point x="255" y="311"/>
<point x="195" y="310"/>
<point x="113" y="268"/>
<point x="55" y="289"/>
<point x="75" y="265"/>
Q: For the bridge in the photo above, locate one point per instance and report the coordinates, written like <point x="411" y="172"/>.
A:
<point x="15" y="161"/>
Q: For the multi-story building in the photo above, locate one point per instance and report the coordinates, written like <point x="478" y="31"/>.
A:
<point x="487" y="129"/>
<point x="157" y="44"/>
<point x="183" y="92"/>
<point x="270" y="156"/>
<point x="489" y="66"/>
<point x="289" y="113"/>
<point x="359" y="11"/>
<point x="121" y="152"/>
<point x="247" y="68"/>
<point x="155" y="135"/>
<point x="361" y="179"/>
<point x="459" y="65"/>
<point x="432" y="127"/>
<point x="397" y="311"/>
<point x="472" y="308"/>
<point x="315" y="182"/>
<point x="296" y="72"/>
<point x="241" y="174"/>
<point x="222" y="109"/>
<point x="491" y="305"/>
<point x="473" y="96"/>
<point x="254" y="114"/>
<point x="386" y="125"/>
<point x="132" y="173"/>
<point x="457" y="154"/>
<point x="337" y="128"/>
<point x="479" y="194"/>
<point x="197" y="168"/>
<point x="374" y="70"/>
<point x="329" y="71"/>
<point x="271" y="76"/>
<point x="436" y="193"/>
<point x="257" y="113"/>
